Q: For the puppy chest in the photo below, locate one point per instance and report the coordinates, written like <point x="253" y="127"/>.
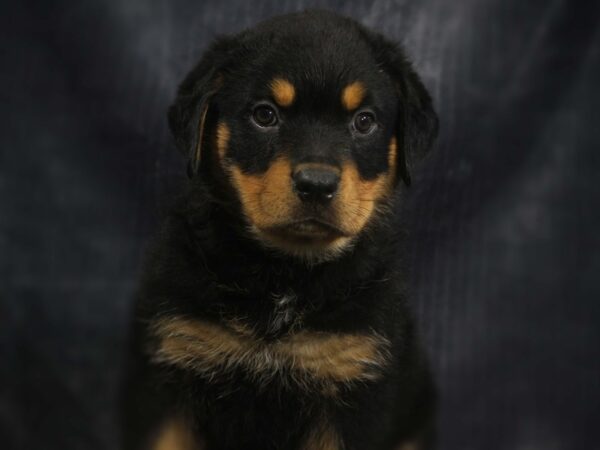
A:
<point x="304" y="358"/>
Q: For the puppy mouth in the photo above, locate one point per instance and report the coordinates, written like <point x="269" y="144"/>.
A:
<point x="309" y="229"/>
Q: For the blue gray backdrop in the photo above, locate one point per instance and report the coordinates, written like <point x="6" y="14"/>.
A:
<point x="504" y="217"/>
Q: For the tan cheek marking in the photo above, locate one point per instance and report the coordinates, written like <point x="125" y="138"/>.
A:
<point x="210" y="349"/>
<point x="353" y="95"/>
<point x="175" y="435"/>
<point x="267" y="199"/>
<point x="283" y="92"/>
<point x="358" y="198"/>
<point x="223" y="135"/>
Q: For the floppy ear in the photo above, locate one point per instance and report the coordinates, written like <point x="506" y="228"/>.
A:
<point x="188" y="114"/>
<point x="417" y="123"/>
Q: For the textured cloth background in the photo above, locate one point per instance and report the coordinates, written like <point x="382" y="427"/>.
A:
<point x="504" y="216"/>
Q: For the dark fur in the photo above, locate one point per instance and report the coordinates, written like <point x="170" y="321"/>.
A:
<point x="204" y="263"/>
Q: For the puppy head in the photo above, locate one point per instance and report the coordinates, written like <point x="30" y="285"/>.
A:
<point x="311" y="119"/>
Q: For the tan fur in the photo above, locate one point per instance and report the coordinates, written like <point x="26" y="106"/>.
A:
<point x="323" y="437"/>
<point x="283" y="92"/>
<point x="267" y="199"/>
<point x="223" y="135"/>
<point x="392" y="155"/>
<point x="353" y="95"/>
<point x="311" y="251"/>
<point x="358" y="198"/>
<point x="175" y="435"/>
<point x="305" y="357"/>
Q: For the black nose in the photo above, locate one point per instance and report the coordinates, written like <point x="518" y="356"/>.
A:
<point x="316" y="184"/>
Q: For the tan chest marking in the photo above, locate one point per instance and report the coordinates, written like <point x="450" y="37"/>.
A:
<point x="175" y="434"/>
<point x="323" y="437"/>
<point x="307" y="357"/>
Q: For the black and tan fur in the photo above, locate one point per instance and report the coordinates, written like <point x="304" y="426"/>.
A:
<point x="272" y="313"/>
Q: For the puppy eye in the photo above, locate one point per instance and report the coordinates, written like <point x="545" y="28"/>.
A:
<point x="364" y="122"/>
<point x="264" y="116"/>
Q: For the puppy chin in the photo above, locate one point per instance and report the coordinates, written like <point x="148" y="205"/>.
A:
<point x="306" y="243"/>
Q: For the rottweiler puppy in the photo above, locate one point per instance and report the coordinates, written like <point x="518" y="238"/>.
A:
<point x="272" y="310"/>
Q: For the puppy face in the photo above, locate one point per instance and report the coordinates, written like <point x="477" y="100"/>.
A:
<point x="304" y="127"/>
<point x="307" y="142"/>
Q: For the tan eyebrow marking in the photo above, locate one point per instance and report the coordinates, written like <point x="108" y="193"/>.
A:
<point x="283" y="91"/>
<point x="353" y="94"/>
